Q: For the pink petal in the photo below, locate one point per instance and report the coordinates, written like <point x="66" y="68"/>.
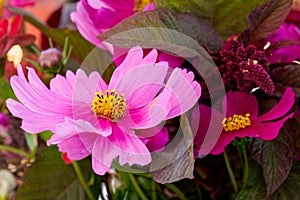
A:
<point x="133" y="83"/>
<point x="33" y="122"/>
<point x="181" y="91"/>
<point x="37" y="97"/>
<point x="133" y="59"/>
<point x="120" y="4"/>
<point x="86" y="86"/>
<point x="99" y="167"/>
<point x="86" y="27"/>
<point x="155" y="138"/>
<point x="224" y="139"/>
<point x="68" y="83"/>
<point x="173" y="61"/>
<point x="133" y="149"/>
<point x="145" y="117"/>
<point x="208" y="128"/>
<point x="240" y="103"/>
<point x="125" y="145"/>
<point x="74" y="148"/>
<point x="35" y="80"/>
<point x="83" y="134"/>
<point x="284" y="105"/>
<point x="270" y="130"/>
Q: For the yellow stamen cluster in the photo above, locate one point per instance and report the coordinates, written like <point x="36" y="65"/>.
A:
<point x="141" y="4"/>
<point x="236" y="122"/>
<point x="109" y="105"/>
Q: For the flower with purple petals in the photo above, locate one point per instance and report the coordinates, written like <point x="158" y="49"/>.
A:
<point x="287" y="31"/>
<point x="90" y="117"/>
<point x="242" y="120"/>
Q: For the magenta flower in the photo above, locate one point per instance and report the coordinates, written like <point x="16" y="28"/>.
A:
<point x="16" y="3"/>
<point x="288" y="54"/>
<point x="20" y="3"/>
<point x="242" y="120"/>
<point x="89" y="117"/>
<point x="95" y="17"/>
<point x="3" y="120"/>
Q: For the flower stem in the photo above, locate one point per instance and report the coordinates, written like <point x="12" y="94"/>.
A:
<point x="2" y="66"/>
<point x="14" y="150"/>
<point x="230" y="172"/>
<point x="246" y="170"/>
<point x="137" y="187"/>
<point x="82" y="181"/>
<point x="153" y="190"/>
<point x="176" y="190"/>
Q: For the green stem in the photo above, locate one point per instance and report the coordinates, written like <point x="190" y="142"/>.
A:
<point x="14" y="150"/>
<point x="153" y="190"/>
<point x="176" y="190"/>
<point x="2" y="66"/>
<point x="82" y="181"/>
<point x="230" y="172"/>
<point x="137" y="187"/>
<point x="246" y="170"/>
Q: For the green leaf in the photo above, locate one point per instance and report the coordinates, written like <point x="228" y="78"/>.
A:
<point x="185" y="23"/>
<point x="81" y="47"/>
<point x="275" y="157"/>
<point x="255" y="188"/>
<point x="265" y="20"/>
<point x="230" y="17"/>
<point x="176" y="162"/>
<point x="6" y="91"/>
<point x="287" y="76"/>
<point x="227" y="17"/>
<point x="45" y="135"/>
<point x="49" y="178"/>
<point x="31" y="141"/>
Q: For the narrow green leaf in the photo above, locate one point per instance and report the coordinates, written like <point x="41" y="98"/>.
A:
<point x="49" y="178"/>
<point x="81" y="47"/>
<point x="6" y="91"/>
<point x="45" y="135"/>
<point x="275" y="157"/>
<point x="31" y="141"/>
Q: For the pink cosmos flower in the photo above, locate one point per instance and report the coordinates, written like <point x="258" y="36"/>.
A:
<point x="89" y="117"/>
<point x="16" y="3"/>
<point x="95" y="17"/>
<point x="242" y="120"/>
<point x="20" y="3"/>
<point x="286" y="31"/>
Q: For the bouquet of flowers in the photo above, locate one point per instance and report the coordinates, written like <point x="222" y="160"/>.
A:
<point x="163" y="99"/>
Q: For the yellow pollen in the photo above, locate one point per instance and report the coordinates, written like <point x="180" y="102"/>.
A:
<point x="236" y="122"/>
<point x="110" y="105"/>
<point x="139" y="5"/>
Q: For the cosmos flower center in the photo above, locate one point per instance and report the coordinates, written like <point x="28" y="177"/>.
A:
<point x="236" y="122"/>
<point x="139" y="5"/>
<point x="109" y="105"/>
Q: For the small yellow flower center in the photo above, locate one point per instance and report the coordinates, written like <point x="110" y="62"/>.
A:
<point x="139" y="5"/>
<point x="236" y="122"/>
<point x="109" y="105"/>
